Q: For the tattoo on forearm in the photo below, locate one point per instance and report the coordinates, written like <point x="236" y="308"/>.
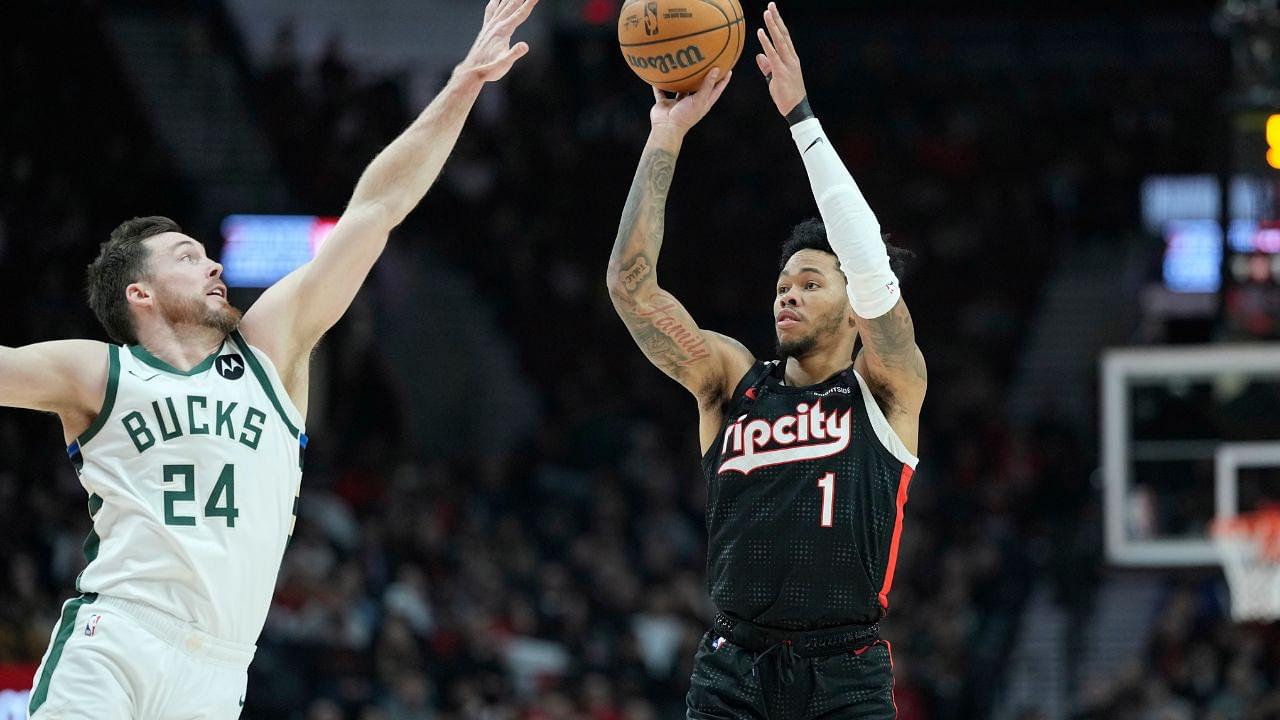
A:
<point x="688" y="341"/>
<point x="669" y="341"/>
<point x="658" y="322"/>
<point x="892" y="339"/>
<point x="644" y="219"/>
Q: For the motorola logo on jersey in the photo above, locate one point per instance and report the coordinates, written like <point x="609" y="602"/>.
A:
<point x="808" y="434"/>
<point x="230" y="366"/>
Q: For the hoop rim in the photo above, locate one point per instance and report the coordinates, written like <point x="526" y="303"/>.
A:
<point x="1257" y="523"/>
<point x="1258" y="528"/>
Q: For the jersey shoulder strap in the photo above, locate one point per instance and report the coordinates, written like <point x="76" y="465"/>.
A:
<point x="748" y="388"/>
<point x="744" y="394"/>
<point x="255" y="366"/>
<point x="886" y="437"/>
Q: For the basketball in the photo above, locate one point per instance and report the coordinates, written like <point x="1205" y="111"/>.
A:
<point x="673" y="44"/>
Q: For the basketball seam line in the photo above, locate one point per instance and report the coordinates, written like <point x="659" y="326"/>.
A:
<point x="729" y="24"/>
<point x="739" y="19"/>
<point x="712" y="61"/>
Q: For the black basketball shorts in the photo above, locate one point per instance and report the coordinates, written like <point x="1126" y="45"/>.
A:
<point x="732" y="683"/>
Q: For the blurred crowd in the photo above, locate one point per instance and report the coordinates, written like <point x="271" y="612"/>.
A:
<point x="1199" y="665"/>
<point x="564" y="580"/>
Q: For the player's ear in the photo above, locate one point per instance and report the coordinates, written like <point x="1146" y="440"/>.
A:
<point x="139" y="293"/>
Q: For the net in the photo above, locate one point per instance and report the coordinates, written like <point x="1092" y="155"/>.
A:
<point x="1249" y="547"/>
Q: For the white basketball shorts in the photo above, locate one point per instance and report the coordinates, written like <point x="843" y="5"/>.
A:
<point x="111" y="658"/>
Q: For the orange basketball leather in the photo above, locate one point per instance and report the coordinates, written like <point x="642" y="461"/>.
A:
<point x="673" y="44"/>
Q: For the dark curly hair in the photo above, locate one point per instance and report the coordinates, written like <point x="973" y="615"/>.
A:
<point x="812" y="235"/>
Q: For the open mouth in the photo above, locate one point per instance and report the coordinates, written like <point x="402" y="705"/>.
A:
<point x="218" y="292"/>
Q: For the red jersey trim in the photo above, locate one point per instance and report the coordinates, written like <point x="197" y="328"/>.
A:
<point x="903" y="483"/>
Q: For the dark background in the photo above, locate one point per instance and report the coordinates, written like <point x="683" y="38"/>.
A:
<point x="542" y="556"/>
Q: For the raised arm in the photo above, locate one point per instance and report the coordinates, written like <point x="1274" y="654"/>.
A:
<point x="289" y="318"/>
<point x="892" y="362"/>
<point x="67" y="377"/>
<point x="705" y="363"/>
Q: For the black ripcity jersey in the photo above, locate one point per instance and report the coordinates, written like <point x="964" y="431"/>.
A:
<point x="805" y="493"/>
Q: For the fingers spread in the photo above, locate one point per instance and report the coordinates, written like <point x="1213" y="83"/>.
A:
<point x="769" y="50"/>
<point x="504" y="61"/>
<point x="782" y="25"/>
<point x="522" y="12"/>
<point x="766" y="67"/>
<point x="775" y="33"/>
<point x="508" y="9"/>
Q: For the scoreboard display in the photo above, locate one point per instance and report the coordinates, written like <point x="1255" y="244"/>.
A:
<point x="258" y="250"/>
<point x="1221" y="234"/>
<point x="1251" y="262"/>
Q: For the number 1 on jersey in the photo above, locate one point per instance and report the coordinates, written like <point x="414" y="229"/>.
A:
<point x="828" y="485"/>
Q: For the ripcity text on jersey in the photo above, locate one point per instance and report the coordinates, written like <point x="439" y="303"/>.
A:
<point x="193" y="479"/>
<point x="805" y="494"/>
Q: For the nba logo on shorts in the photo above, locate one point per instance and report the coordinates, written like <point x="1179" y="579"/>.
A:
<point x="91" y="627"/>
<point x="717" y="643"/>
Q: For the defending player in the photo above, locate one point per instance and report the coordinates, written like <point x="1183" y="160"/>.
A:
<point x="188" y="437"/>
<point x="807" y="458"/>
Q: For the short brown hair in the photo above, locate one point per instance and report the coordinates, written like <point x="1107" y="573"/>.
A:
<point x="121" y="261"/>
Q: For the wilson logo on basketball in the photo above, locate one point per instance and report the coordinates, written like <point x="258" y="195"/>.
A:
<point x="809" y="434"/>
<point x="673" y="44"/>
<point x="665" y="63"/>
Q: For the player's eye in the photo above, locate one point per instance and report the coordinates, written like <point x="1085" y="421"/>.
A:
<point x="811" y="285"/>
<point x="782" y="290"/>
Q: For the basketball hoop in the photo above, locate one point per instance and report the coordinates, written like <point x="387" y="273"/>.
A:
<point x="1249" y="546"/>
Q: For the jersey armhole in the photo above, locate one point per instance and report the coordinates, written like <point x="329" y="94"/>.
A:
<point x="752" y="376"/>
<point x="108" y="400"/>
<point x="731" y="408"/>
<point x="884" y="432"/>
<point x="265" y="379"/>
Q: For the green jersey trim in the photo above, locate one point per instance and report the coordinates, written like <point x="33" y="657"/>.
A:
<point x="108" y="402"/>
<point x="142" y="354"/>
<point x="260" y="373"/>
<point x="91" y="541"/>
<point x="65" y="627"/>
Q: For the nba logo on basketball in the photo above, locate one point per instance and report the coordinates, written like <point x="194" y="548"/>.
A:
<point x="91" y="627"/>
<point x="651" y="18"/>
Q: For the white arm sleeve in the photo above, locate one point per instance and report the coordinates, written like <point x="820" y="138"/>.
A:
<point x="852" y="228"/>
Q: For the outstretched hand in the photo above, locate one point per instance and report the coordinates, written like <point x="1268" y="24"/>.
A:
<point x="492" y="54"/>
<point x="779" y="62"/>
<point x="686" y="109"/>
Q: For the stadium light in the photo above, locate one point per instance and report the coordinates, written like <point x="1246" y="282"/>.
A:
<point x="1273" y="141"/>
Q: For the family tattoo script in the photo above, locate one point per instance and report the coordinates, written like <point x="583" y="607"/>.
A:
<point x="690" y="341"/>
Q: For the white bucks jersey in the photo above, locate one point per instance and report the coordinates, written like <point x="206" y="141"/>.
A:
<point x="193" y="479"/>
